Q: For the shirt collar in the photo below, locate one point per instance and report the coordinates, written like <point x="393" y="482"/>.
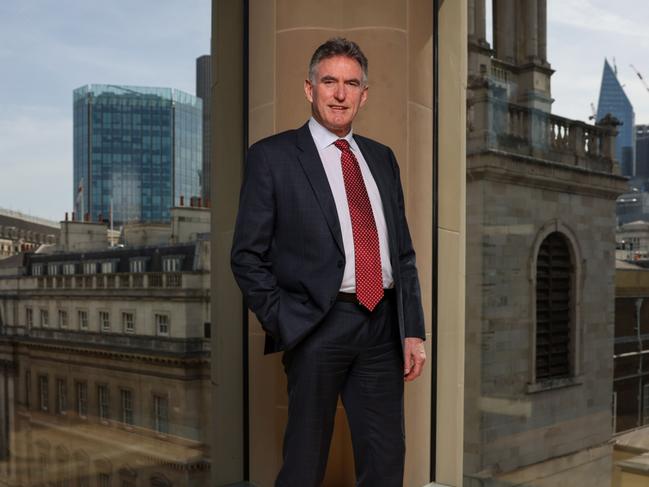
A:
<point x="324" y="138"/>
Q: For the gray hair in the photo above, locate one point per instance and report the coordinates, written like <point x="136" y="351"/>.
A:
<point x="338" y="46"/>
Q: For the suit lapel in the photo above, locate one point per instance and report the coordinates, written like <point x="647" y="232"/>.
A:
<point x="312" y="166"/>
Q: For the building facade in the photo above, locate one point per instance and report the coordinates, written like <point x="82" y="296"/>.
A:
<point x="541" y="195"/>
<point x="642" y="153"/>
<point x="23" y="233"/>
<point x="632" y="206"/>
<point x="137" y="150"/>
<point x="105" y="353"/>
<point x="613" y="101"/>
<point x="203" y="91"/>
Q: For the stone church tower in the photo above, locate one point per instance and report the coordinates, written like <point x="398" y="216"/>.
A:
<point x="541" y="195"/>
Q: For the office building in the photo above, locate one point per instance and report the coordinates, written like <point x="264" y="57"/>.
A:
<point x="642" y="152"/>
<point x="137" y="151"/>
<point x="105" y="357"/>
<point x="613" y="100"/>
<point x="203" y="91"/>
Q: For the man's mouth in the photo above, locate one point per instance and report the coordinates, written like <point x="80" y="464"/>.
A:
<point x="337" y="107"/>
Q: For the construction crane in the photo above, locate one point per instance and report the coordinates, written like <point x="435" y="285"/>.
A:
<point x="646" y="87"/>
<point x="593" y="111"/>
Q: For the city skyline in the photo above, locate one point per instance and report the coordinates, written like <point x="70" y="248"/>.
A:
<point x="50" y="48"/>
<point x="54" y="47"/>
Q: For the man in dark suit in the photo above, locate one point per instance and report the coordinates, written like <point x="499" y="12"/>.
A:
<point x="323" y="255"/>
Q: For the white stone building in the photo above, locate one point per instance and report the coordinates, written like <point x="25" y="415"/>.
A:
<point x="104" y="356"/>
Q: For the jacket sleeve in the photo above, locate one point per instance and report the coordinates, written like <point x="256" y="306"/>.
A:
<point x="253" y="239"/>
<point x="413" y="313"/>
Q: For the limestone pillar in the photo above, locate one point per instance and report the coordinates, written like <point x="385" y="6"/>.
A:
<point x="532" y="30"/>
<point x="504" y="30"/>
<point x="477" y="22"/>
<point x="471" y="16"/>
<point x="542" y="9"/>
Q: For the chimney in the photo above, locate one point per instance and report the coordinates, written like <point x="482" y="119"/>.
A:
<point x="66" y="216"/>
<point x="182" y="200"/>
<point x="86" y="217"/>
<point x="200" y="202"/>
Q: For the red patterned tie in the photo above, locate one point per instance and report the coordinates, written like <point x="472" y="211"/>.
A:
<point x="369" y="280"/>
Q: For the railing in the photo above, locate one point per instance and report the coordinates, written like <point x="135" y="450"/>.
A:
<point x="155" y="279"/>
<point x="173" y="280"/>
<point x="500" y="73"/>
<point x="136" y="280"/>
<point x="497" y="124"/>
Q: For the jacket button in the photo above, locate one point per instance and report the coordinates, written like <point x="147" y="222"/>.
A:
<point x="340" y="264"/>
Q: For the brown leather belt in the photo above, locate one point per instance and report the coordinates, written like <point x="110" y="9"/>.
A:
<point x="351" y="297"/>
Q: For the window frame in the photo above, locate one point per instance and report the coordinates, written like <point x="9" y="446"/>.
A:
<point x="45" y="313"/>
<point x="125" y="328"/>
<point x="80" y="322"/>
<point x="81" y="398"/>
<point x="63" y="318"/>
<point x="103" y="408"/>
<point x="43" y="393"/>
<point x="101" y="313"/>
<point x="61" y="396"/>
<point x="126" y="395"/>
<point x="157" y="424"/>
<point x="157" y="315"/>
<point x="575" y="351"/>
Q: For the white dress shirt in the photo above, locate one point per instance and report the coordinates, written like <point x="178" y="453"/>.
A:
<point x="330" y="156"/>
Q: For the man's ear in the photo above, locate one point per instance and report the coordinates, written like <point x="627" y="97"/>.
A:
<point x="364" y="96"/>
<point x="308" y="90"/>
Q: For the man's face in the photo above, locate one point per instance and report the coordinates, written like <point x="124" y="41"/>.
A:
<point x="336" y="93"/>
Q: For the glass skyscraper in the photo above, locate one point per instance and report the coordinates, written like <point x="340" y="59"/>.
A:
<point x="613" y="100"/>
<point x="139" y="148"/>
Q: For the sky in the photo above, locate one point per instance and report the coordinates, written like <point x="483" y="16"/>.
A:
<point x="50" y="47"/>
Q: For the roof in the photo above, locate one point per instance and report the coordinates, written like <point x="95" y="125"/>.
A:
<point x="122" y="255"/>
<point x="27" y="224"/>
<point x="626" y="265"/>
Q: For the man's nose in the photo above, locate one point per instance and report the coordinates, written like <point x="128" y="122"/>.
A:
<point x="340" y="92"/>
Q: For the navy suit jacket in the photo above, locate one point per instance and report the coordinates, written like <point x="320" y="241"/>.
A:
<point x="287" y="253"/>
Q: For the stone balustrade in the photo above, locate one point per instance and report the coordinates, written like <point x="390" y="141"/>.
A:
<point x="146" y="280"/>
<point x="497" y="124"/>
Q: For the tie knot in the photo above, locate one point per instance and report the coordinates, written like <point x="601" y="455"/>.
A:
<point x="342" y="144"/>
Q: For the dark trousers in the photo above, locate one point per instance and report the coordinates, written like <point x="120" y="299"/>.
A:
<point x="357" y="355"/>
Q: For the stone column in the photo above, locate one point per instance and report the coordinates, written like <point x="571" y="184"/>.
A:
<point x="532" y="24"/>
<point x="471" y="17"/>
<point x="504" y="30"/>
<point x="480" y="20"/>
<point x="542" y="9"/>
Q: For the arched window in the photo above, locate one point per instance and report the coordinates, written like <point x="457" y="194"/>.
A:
<point x="554" y="304"/>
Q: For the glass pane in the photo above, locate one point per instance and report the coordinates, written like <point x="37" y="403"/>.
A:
<point x="105" y="368"/>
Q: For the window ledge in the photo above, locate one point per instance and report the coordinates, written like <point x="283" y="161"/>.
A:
<point x="549" y="385"/>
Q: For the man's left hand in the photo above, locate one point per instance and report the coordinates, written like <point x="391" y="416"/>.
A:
<point x="414" y="358"/>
